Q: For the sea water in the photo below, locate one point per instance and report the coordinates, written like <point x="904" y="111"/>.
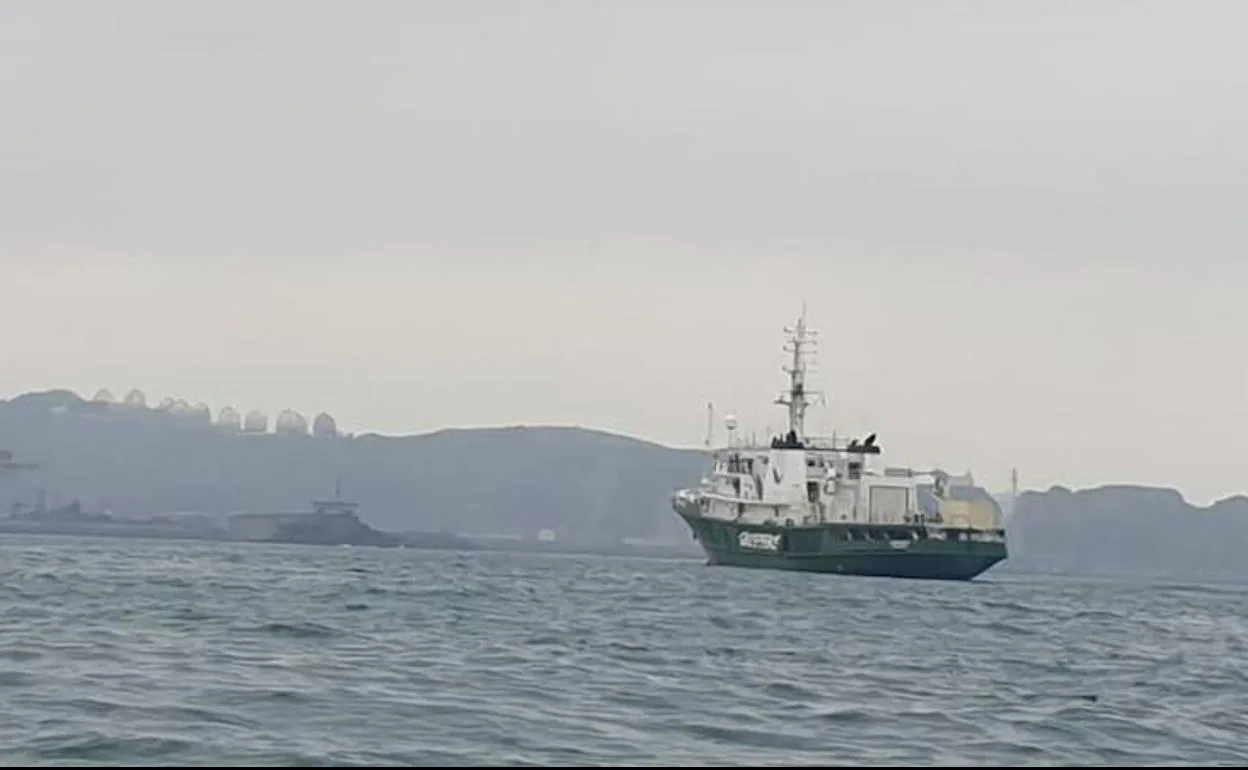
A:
<point x="146" y="652"/>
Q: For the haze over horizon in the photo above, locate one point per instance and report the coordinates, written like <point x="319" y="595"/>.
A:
<point x="1018" y="228"/>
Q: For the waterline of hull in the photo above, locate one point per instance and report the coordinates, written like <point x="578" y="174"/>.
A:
<point x="915" y="566"/>
<point x="813" y="549"/>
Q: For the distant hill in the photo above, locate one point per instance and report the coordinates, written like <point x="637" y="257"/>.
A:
<point x="587" y="486"/>
<point x="1128" y="530"/>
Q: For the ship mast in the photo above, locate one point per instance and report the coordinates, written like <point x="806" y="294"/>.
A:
<point x="796" y="398"/>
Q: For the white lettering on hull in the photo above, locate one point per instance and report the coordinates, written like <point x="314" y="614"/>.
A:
<point x="759" y="541"/>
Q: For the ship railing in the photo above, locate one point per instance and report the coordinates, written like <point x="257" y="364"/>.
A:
<point x="686" y="496"/>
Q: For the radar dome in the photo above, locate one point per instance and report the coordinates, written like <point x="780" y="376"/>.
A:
<point x="324" y="426"/>
<point x="201" y="413"/>
<point x="256" y="422"/>
<point x="104" y="396"/>
<point x="229" y="419"/>
<point x="136" y="399"/>
<point x="176" y="406"/>
<point x="291" y="423"/>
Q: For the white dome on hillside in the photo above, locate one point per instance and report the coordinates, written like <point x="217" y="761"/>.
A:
<point x="136" y="399"/>
<point x="291" y="423"/>
<point x="201" y="413"/>
<point x="256" y="422"/>
<point x="229" y="419"/>
<point x="324" y="426"/>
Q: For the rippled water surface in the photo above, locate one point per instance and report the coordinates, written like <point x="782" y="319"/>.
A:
<point x="149" y="652"/>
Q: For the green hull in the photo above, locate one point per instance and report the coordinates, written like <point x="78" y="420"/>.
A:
<point x="906" y="551"/>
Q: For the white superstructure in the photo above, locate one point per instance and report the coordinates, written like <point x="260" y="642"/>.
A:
<point x="799" y="480"/>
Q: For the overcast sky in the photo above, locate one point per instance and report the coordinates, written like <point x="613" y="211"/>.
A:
<point x="1019" y="227"/>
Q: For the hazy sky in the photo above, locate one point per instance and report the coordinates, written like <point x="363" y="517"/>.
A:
<point x="1019" y="227"/>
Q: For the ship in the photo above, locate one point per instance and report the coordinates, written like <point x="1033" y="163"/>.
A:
<point x="810" y="504"/>
<point x="330" y="522"/>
